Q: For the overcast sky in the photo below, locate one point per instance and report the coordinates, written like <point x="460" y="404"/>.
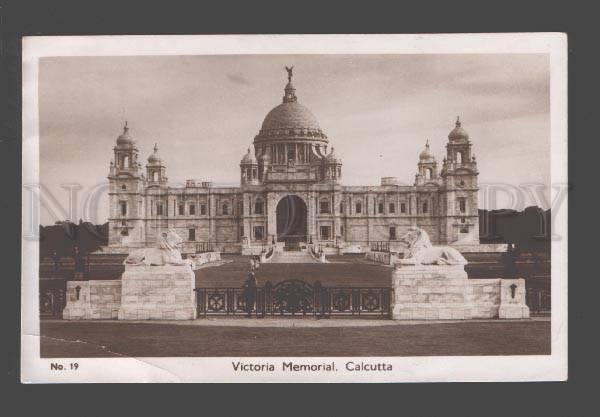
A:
<point x="377" y="110"/>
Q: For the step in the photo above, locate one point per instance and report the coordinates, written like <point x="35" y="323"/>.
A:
<point x="293" y="257"/>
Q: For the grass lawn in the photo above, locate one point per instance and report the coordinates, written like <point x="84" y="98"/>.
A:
<point x="97" y="339"/>
<point x="353" y="273"/>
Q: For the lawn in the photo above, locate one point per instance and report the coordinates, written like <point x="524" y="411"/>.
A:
<point x="353" y="273"/>
<point x="97" y="339"/>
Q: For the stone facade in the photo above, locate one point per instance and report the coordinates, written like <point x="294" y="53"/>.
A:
<point x="158" y="293"/>
<point x="291" y="156"/>
<point x="443" y="292"/>
<point x="88" y="300"/>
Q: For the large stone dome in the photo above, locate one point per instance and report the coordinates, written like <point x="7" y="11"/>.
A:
<point x="290" y="121"/>
<point x="291" y="115"/>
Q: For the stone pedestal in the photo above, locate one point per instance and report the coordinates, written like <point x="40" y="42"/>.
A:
<point x="512" y="299"/>
<point x="158" y="293"/>
<point x="430" y="292"/>
<point x="87" y="300"/>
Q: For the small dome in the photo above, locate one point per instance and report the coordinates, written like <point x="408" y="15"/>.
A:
<point x="426" y="155"/>
<point x="332" y="157"/>
<point x="125" y="138"/>
<point x="154" y="159"/>
<point x="249" y="158"/>
<point x="458" y="133"/>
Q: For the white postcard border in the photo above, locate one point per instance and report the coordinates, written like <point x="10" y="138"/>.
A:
<point x="406" y="369"/>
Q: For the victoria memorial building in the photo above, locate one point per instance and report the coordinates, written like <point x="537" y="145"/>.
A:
<point x="291" y="191"/>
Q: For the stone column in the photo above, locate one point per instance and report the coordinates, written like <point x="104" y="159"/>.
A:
<point x="271" y="206"/>
<point x="512" y="299"/>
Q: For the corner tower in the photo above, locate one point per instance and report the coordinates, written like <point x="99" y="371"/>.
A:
<point x="459" y="173"/>
<point x="126" y="187"/>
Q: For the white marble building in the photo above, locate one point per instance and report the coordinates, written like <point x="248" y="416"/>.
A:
<point x="291" y="190"/>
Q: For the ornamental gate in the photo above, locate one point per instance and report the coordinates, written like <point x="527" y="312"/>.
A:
<point x="295" y="298"/>
<point x="52" y="302"/>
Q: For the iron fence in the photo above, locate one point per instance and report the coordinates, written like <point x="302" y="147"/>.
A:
<point x="52" y="302"/>
<point x="380" y="246"/>
<point x="294" y="298"/>
<point x="539" y="300"/>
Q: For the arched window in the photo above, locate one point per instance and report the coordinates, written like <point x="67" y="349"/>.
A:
<point x="425" y="207"/>
<point x="380" y="207"/>
<point x="462" y="204"/>
<point x="358" y="207"/>
<point x="259" y="207"/>
<point x="125" y="161"/>
<point x="155" y="176"/>
<point x="428" y="173"/>
<point x="459" y="157"/>
<point x="123" y="187"/>
<point x="225" y="209"/>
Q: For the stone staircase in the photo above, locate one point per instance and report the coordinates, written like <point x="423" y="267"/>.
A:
<point x="293" y="257"/>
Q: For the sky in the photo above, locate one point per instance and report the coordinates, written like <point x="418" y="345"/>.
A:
<point x="204" y="111"/>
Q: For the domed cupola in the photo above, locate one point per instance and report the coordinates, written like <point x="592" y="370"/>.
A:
<point x="333" y="167"/>
<point x="154" y="159"/>
<point x="458" y="133"/>
<point x="249" y="169"/>
<point x="126" y="156"/>
<point x="155" y="169"/>
<point x="427" y="166"/>
<point x="248" y="158"/>
<point x="290" y="121"/>
<point x="125" y="139"/>
<point x="426" y="155"/>
<point x="332" y="158"/>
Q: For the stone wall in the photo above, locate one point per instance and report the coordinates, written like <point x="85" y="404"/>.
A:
<point x="99" y="299"/>
<point x="439" y="292"/>
<point x="483" y="295"/>
<point x="430" y="292"/>
<point x="158" y="293"/>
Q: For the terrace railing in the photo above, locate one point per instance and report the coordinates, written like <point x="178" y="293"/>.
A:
<point x="295" y="298"/>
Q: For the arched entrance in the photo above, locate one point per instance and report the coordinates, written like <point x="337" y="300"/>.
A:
<point x="291" y="220"/>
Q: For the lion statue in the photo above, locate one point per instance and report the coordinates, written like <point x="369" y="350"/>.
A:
<point x="422" y="252"/>
<point x="165" y="252"/>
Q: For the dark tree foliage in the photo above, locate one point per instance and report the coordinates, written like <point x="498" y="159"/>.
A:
<point x="528" y="230"/>
<point x="64" y="237"/>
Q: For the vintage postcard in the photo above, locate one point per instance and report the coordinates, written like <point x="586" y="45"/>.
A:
<point x="294" y="208"/>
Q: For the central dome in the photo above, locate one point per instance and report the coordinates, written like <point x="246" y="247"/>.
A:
<point x="291" y="115"/>
<point x="290" y="121"/>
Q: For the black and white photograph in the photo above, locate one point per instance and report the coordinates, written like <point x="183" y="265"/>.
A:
<point x="294" y="208"/>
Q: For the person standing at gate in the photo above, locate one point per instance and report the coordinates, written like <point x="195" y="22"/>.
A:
<point x="250" y="293"/>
